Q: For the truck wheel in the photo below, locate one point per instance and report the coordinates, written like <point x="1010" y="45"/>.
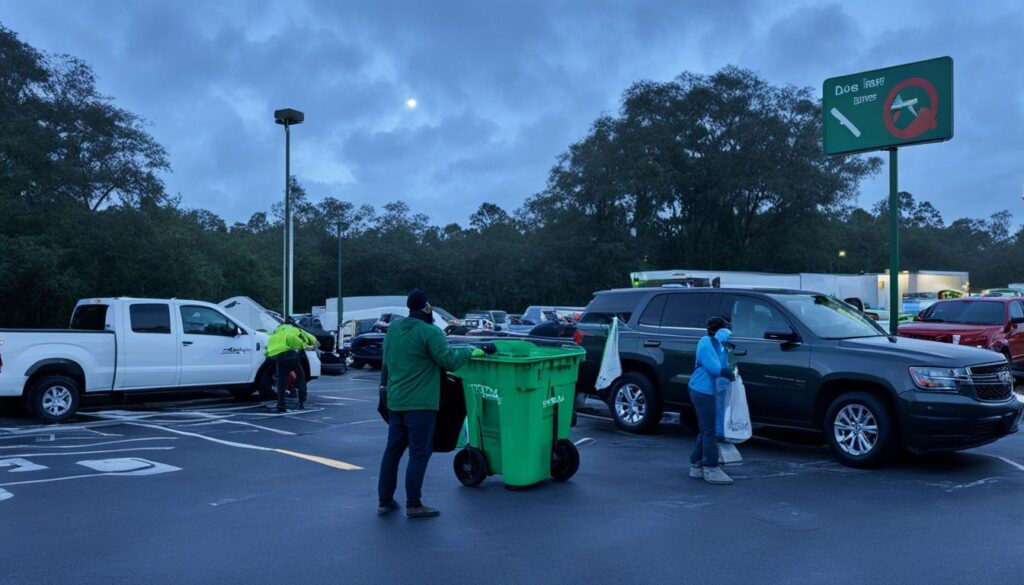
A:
<point x="860" y="430"/>
<point x="633" y="403"/>
<point x="265" y="385"/>
<point x="54" y="399"/>
<point x="565" y="460"/>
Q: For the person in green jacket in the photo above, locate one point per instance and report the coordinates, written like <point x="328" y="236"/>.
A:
<point x="284" y="346"/>
<point x="415" y="353"/>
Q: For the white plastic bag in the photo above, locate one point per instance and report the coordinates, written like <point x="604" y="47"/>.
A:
<point x="611" y="366"/>
<point x="737" y="417"/>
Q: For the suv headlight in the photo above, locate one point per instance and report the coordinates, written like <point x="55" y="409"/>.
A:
<point x="938" y="379"/>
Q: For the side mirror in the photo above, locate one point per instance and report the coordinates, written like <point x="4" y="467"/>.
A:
<point x="1016" y="320"/>
<point x="787" y="335"/>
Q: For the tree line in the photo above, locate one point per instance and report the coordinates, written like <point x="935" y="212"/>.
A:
<point x="722" y="171"/>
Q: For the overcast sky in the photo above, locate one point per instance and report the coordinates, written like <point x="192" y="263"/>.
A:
<point x="503" y="87"/>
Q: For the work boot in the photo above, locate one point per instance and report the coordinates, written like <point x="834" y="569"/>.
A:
<point x="387" y="508"/>
<point x="716" y="476"/>
<point x="302" y="406"/>
<point x="697" y="471"/>
<point x="281" y="408"/>
<point x="421" y="511"/>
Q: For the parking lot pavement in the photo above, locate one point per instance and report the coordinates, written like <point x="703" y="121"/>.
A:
<point x="198" y="488"/>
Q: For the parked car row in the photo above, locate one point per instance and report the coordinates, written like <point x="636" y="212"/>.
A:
<point x="135" y="345"/>
<point x="808" y="362"/>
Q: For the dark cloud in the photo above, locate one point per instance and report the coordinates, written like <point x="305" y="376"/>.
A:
<point x="503" y="87"/>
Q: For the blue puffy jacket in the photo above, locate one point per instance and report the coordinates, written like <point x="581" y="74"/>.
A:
<point x="711" y="360"/>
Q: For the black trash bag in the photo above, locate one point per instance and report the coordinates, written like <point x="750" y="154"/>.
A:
<point x="450" y="416"/>
<point x="382" y="395"/>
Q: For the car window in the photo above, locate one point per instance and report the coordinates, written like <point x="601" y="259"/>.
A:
<point x="826" y="317"/>
<point x="686" y="310"/>
<point x="1016" y="310"/>
<point x="205" y="321"/>
<point x="752" y="317"/>
<point x="608" y="305"/>
<point x="652" y="314"/>
<point x="967" y="312"/>
<point x="90" y="318"/>
<point x="150" y="318"/>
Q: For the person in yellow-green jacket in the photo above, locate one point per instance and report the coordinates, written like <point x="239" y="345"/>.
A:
<point x="415" y="353"/>
<point x="284" y="346"/>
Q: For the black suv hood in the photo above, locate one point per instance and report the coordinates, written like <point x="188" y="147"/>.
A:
<point x="919" y="352"/>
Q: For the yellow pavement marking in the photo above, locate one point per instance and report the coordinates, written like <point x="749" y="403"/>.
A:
<point x="322" y="460"/>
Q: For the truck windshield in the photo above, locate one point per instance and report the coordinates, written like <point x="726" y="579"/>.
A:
<point x="966" y="312"/>
<point x="829" y="318"/>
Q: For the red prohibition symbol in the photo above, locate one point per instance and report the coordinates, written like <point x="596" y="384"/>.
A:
<point x="924" y="115"/>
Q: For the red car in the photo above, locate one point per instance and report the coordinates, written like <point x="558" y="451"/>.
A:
<point x="995" y="323"/>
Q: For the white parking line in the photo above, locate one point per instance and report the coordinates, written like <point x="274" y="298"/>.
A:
<point x="34" y="455"/>
<point x="89" y="445"/>
<point x="1009" y="462"/>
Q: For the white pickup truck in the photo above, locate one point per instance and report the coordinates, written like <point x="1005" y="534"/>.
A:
<point x="132" y="345"/>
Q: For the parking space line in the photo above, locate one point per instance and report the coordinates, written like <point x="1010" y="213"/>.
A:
<point x="34" y="455"/>
<point x="1010" y="462"/>
<point x="343" y="398"/>
<point x="89" y="445"/>
<point x="321" y="460"/>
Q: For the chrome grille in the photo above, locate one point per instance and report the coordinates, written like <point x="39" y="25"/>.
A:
<point x="991" y="382"/>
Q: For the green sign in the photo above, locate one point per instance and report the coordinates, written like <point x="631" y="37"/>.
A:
<point x="884" y="108"/>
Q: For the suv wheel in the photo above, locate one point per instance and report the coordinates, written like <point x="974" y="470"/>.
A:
<point x="860" y="430"/>
<point x="633" y="403"/>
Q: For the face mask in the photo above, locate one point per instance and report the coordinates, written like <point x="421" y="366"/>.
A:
<point x="723" y="335"/>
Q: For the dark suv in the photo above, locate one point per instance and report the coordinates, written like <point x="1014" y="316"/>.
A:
<point x="808" y="361"/>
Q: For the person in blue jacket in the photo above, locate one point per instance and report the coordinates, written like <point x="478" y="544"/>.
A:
<point x="712" y="365"/>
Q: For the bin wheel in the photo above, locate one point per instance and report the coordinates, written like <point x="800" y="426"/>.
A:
<point x="470" y="466"/>
<point x="565" y="460"/>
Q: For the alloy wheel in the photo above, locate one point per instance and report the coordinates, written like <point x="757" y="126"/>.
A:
<point x="856" y="430"/>
<point x="56" y="400"/>
<point x="630" y="403"/>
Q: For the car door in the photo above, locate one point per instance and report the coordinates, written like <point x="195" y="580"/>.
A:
<point x="670" y="327"/>
<point x="149" y="356"/>
<point x="775" y="374"/>
<point x="214" y="349"/>
<point x="1015" y="338"/>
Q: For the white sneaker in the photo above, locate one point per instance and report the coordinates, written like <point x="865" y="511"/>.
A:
<point x="716" y="476"/>
<point x="697" y="471"/>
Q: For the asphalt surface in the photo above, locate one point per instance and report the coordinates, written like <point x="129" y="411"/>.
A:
<point x="198" y="488"/>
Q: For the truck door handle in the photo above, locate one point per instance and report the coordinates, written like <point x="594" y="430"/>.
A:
<point x="739" y="352"/>
<point x="187" y="342"/>
<point x="652" y="343"/>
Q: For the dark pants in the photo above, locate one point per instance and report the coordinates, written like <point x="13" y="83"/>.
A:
<point x="705" y="450"/>
<point x="412" y="429"/>
<point x="288" y="362"/>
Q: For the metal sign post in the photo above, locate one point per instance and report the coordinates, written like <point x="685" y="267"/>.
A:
<point x="884" y="109"/>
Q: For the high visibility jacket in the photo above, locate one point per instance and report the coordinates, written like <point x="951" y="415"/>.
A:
<point x="288" y="338"/>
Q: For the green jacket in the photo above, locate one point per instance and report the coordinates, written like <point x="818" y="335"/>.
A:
<point x="414" y="355"/>
<point x="288" y="338"/>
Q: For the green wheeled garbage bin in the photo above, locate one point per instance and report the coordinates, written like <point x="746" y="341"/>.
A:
<point x="519" y="406"/>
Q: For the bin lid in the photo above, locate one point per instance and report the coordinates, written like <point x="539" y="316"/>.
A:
<point x="516" y="351"/>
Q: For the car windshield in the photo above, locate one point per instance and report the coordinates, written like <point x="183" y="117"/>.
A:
<point x="829" y="318"/>
<point x="966" y="312"/>
<point x="919" y="296"/>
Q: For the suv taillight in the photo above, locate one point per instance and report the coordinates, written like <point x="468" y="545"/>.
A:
<point x="578" y="336"/>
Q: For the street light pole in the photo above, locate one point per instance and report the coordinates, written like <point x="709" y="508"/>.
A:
<point x="287" y="118"/>
<point x="341" y="302"/>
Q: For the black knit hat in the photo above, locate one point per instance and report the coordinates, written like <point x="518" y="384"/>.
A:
<point x="715" y="323"/>
<point x="417" y="300"/>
